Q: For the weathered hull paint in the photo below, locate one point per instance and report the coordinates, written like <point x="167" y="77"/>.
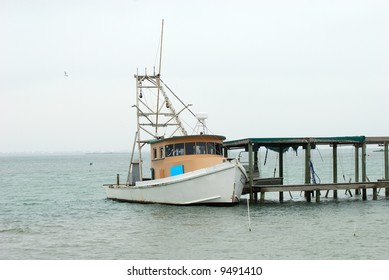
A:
<point x="220" y="184"/>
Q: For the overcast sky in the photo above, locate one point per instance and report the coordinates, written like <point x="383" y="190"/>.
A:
<point x="258" y="68"/>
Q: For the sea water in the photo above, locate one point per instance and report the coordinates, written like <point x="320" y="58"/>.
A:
<point x="53" y="207"/>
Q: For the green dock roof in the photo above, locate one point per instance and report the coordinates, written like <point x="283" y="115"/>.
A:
<point x="298" y="141"/>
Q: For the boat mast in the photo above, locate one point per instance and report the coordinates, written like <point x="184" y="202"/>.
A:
<point x="159" y="79"/>
<point x="153" y="115"/>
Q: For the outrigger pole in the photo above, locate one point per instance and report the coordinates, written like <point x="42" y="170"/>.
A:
<point x="128" y="182"/>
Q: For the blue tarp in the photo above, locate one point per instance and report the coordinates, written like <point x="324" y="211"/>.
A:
<point x="176" y="170"/>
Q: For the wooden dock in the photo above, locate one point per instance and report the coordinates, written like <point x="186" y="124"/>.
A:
<point x="361" y="183"/>
<point x="315" y="190"/>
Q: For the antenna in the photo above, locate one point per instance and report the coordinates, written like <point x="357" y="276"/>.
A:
<point x="201" y="126"/>
<point x="159" y="79"/>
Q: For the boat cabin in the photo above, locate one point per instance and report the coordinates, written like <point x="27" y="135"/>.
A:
<point x="182" y="154"/>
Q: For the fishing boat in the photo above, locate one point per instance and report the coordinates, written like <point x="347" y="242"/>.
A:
<point x="185" y="169"/>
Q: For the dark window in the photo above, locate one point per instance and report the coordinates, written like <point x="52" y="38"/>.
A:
<point x="218" y="148"/>
<point x="161" y="152"/>
<point x="154" y="153"/>
<point x="169" y="150"/>
<point x="190" y="148"/>
<point x="211" y="148"/>
<point x="201" y="148"/>
<point x="179" y="149"/>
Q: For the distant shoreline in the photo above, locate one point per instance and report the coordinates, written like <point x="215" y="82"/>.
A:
<point x="4" y="154"/>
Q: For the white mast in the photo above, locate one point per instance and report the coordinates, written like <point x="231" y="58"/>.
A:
<point x="159" y="78"/>
<point x="155" y="112"/>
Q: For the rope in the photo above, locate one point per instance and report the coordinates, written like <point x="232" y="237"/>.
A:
<point x="314" y="174"/>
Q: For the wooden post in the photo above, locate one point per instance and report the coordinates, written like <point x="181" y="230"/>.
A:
<point x="364" y="176"/>
<point x="225" y="152"/>
<point x="307" y="161"/>
<point x="251" y="170"/>
<point x="374" y="193"/>
<point x="262" y="198"/>
<point x="308" y="195"/>
<point x="335" y="167"/>
<point x="386" y="167"/>
<point x="356" y="158"/>
<point x="317" y="195"/>
<point x="281" y="169"/>
<point x="308" y="169"/>
<point x="117" y="179"/>
<point x="364" y="195"/>
<point x="256" y="168"/>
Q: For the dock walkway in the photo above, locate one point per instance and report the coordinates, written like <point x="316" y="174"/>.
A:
<point x="314" y="190"/>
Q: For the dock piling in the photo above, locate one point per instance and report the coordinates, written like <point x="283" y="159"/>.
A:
<point x="386" y="167"/>
<point x="356" y="159"/>
<point x="307" y="194"/>
<point x="281" y="196"/>
<point x="374" y="193"/>
<point x="364" y="195"/>
<point x="364" y="176"/>
<point x="262" y="198"/>
<point x="317" y="195"/>
<point x="251" y="170"/>
<point x="307" y="161"/>
<point x="335" y="167"/>
<point x="281" y="169"/>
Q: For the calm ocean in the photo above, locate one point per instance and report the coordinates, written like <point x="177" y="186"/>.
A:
<point x="53" y="207"/>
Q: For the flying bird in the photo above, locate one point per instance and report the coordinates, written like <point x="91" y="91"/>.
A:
<point x="66" y="74"/>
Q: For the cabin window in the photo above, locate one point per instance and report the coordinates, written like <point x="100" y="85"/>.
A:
<point x="155" y="154"/>
<point x="218" y="149"/>
<point x="211" y="148"/>
<point x="201" y="148"/>
<point x="169" y="150"/>
<point x="179" y="149"/>
<point x="161" y="155"/>
<point x="190" y="148"/>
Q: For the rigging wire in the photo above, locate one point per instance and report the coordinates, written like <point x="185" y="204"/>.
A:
<point x="152" y="93"/>
<point x="275" y="166"/>
<point x="343" y="173"/>
<point x="182" y="102"/>
<point x="287" y="174"/>
<point x="199" y="121"/>
<point x="318" y="150"/>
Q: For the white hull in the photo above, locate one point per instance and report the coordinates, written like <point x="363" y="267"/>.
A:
<point x="220" y="184"/>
